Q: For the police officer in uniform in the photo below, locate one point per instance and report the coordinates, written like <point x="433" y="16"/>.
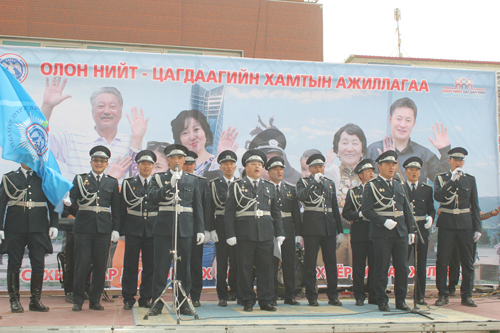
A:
<point x="459" y="222"/>
<point x="290" y="214"/>
<point x="219" y="188"/>
<point x="26" y="224"/>
<point x="361" y="244"/>
<point x="197" y="249"/>
<point x="190" y="222"/>
<point x="138" y="215"/>
<point x="384" y="205"/>
<point x="420" y="195"/>
<point x="252" y="219"/>
<point x="321" y="227"/>
<point x="96" y="224"/>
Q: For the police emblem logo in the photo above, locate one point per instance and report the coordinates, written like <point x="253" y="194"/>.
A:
<point x="86" y="182"/>
<point x="133" y="188"/>
<point x="16" y="65"/>
<point x="34" y="137"/>
<point x="381" y="190"/>
<point x="273" y="143"/>
<point x="37" y="136"/>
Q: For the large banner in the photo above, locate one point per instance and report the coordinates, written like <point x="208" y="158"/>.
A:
<point x="134" y="101"/>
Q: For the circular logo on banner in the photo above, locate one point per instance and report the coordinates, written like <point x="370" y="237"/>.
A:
<point x="37" y="136"/>
<point x="16" y="65"/>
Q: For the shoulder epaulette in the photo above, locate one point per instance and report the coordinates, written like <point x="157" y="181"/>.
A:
<point x="129" y="178"/>
<point x="197" y="176"/>
<point x="213" y="180"/>
<point x="425" y="184"/>
<point x="268" y="181"/>
<point x="467" y="174"/>
<point x="111" y="177"/>
<point x="238" y="180"/>
<point x="371" y="180"/>
<point x="289" y="184"/>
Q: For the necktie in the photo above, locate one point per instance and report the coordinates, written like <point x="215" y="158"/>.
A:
<point x="145" y="183"/>
<point x="278" y="189"/>
<point x="228" y="184"/>
<point x="413" y="188"/>
<point x="98" y="179"/>
<point x="28" y="175"/>
<point x="389" y="183"/>
<point x="255" y="184"/>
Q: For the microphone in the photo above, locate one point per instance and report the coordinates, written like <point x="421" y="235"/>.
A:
<point x="176" y="168"/>
<point x="398" y="177"/>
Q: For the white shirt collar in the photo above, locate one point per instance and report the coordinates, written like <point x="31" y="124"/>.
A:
<point x="25" y="171"/>
<point x="95" y="137"/>
<point x="228" y="180"/>
<point x="409" y="183"/>
<point x="251" y="180"/>
<point x="95" y="175"/>
<point x="142" y="179"/>
<point x="387" y="180"/>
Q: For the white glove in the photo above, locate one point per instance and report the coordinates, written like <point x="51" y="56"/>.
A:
<point x="456" y="174"/>
<point x="318" y="177"/>
<point x="53" y="233"/>
<point x="199" y="238"/>
<point x="360" y="214"/>
<point x="298" y="239"/>
<point x="231" y="241"/>
<point x="411" y="239"/>
<point x="2" y="236"/>
<point x="280" y="240"/>
<point x="213" y="236"/>
<point x="477" y="235"/>
<point x="340" y="238"/>
<point x="115" y="236"/>
<point x="207" y="237"/>
<point x="428" y="222"/>
<point x="390" y="224"/>
<point x="66" y="200"/>
<point x="175" y="177"/>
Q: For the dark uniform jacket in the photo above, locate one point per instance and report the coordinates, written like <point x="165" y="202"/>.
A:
<point x="459" y="194"/>
<point x="324" y="220"/>
<point x="218" y="195"/>
<point x="259" y="225"/>
<point x="107" y="196"/>
<point x="206" y="201"/>
<point x="139" y="220"/>
<point x="385" y="194"/>
<point x="288" y="203"/>
<point x="24" y="219"/>
<point x="360" y="227"/>
<point x="189" y="222"/>
<point x="423" y="205"/>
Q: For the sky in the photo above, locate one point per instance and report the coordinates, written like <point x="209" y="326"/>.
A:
<point x="459" y="30"/>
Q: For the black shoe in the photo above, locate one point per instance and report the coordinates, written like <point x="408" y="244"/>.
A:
<point x="196" y="304"/>
<point x="373" y="302"/>
<point x="442" y="300"/>
<point x="186" y="311"/>
<point x="146" y="304"/>
<point x="335" y="302"/>
<point x="421" y="302"/>
<point x="274" y="302"/>
<point x="96" y="307"/>
<point x="69" y="297"/>
<point x="402" y="306"/>
<point x="360" y="302"/>
<point x="313" y="302"/>
<point x="128" y="305"/>
<point x="13" y="288"/>
<point x="291" y="302"/>
<point x="231" y="297"/>
<point x="36" y="293"/>
<point x="384" y="307"/>
<point x="268" y="307"/>
<point x="77" y="307"/>
<point x="248" y="308"/>
<point x="222" y="302"/>
<point x="155" y="311"/>
<point x="469" y="302"/>
<point x="452" y="292"/>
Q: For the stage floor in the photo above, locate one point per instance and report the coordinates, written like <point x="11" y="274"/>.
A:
<point x="303" y="318"/>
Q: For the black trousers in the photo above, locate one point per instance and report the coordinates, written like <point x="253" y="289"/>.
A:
<point x="232" y="278"/>
<point x="421" y="266"/>
<point x="69" y="272"/>
<point x="361" y="251"/>
<point x="36" y="243"/>
<point x="397" y="247"/>
<point x="224" y="252"/>
<point x="328" y="248"/>
<point x="288" y="269"/>
<point x="446" y="242"/>
<point x="258" y="254"/>
<point x="196" y="271"/>
<point x="454" y="268"/>
<point x="136" y="246"/>
<point x="163" y="261"/>
<point x="90" y="248"/>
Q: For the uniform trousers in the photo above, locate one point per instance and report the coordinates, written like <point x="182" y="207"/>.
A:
<point x="287" y="268"/>
<point x="90" y="248"/>
<point x="224" y="252"/>
<point x="36" y="242"/>
<point x="69" y="272"/>
<point x="454" y="268"/>
<point x="421" y="266"/>
<point x="361" y="251"/>
<point x="196" y="271"/>
<point x="136" y="246"/>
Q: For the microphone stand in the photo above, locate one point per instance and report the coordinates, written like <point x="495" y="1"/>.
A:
<point x="176" y="284"/>
<point x="420" y="239"/>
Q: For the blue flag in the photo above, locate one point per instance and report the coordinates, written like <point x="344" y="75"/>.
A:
<point x="24" y="136"/>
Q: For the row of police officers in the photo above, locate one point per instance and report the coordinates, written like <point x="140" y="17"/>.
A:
<point x="255" y="223"/>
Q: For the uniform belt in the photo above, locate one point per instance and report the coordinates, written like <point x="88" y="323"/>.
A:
<point x="220" y="211"/>
<point x="283" y="215"/>
<point x="420" y="218"/>
<point x="255" y="213"/>
<point x="390" y="214"/>
<point x="29" y="204"/>
<point x="455" y="211"/>
<point x="180" y="209"/>
<point x="318" y="209"/>
<point x="96" y="209"/>
<point x="144" y="214"/>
